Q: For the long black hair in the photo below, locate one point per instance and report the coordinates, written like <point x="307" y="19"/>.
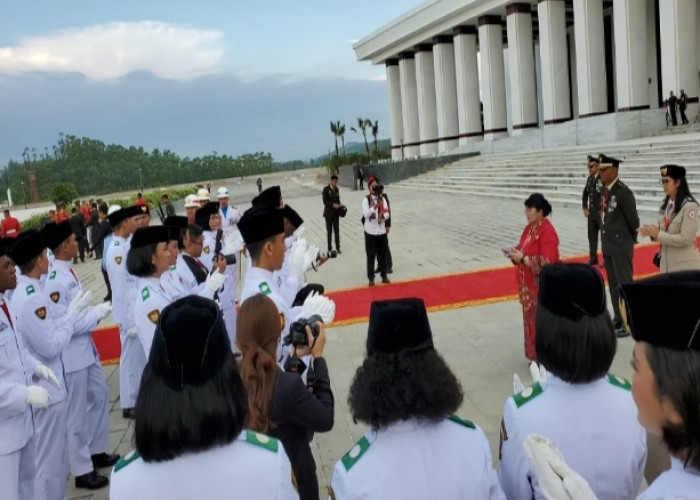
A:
<point x="682" y="195"/>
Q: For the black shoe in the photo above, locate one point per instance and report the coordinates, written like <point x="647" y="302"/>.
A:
<point x="104" y="460"/>
<point x="107" y="298"/>
<point x="91" y="481"/>
<point x="129" y="413"/>
<point x="338" y="251"/>
<point x="385" y="280"/>
<point x="371" y="282"/>
<point x="622" y="332"/>
<point x="390" y="270"/>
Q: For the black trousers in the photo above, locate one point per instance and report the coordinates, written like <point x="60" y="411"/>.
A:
<point x="389" y="260"/>
<point x="375" y="248"/>
<point x="683" y="117"/>
<point x="674" y="119"/>
<point x="82" y="248"/>
<point x="333" y="224"/>
<point x="362" y="182"/>
<point x="619" y="270"/>
<point x="109" y="286"/>
<point x="594" y="225"/>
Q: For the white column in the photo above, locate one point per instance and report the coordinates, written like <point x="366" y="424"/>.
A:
<point x="554" y="56"/>
<point x="493" y="85"/>
<point x="630" y="55"/>
<point x="521" y="67"/>
<point x="467" y="73"/>
<point x="678" y="23"/>
<point x="427" y="114"/>
<point x="393" y="78"/>
<point x="590" y="57"/>
<point x="409" y="105"/>
<point x="446" y="93"/>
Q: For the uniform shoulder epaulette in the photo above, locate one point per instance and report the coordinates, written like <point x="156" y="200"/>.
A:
<point x="126" y="460"/>
<point x="528" y="394"/>
<point x="52" y="275"/>
<point x="172" y="268"/>
<point x="145" y="294"/>
<point x="262" y="440"/>
<point x="30" y="289"/>
<point x="461" y="421"/>
<point x="355" y="453"/>
<point x="265" y="288"/>
<point x="620" y="382"/>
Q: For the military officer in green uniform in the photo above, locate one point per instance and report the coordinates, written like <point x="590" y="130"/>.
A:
<point x="619" y="234"/>
<point x="591" y="207"/>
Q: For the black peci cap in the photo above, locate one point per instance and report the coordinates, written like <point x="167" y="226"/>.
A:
<point x="572" y="290"/>
<point x="270" y="197"/>
<point x="201" y="216"/>
<point x="175" y="224"/>
<point x="149" y="236"/>
<point x="6" y="245"/>
<point x="650" y="309"/>
<point x="55" y="234"/>
<point x="190" y="344"/>
<point x="292" y="216"/>
<point x="399" y="325"/>
<point x="28" y="245"/>
<point x="118" y="216"/>
<point x="259" y="223"/>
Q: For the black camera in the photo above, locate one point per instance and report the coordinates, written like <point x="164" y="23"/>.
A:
<point x="230" y="258"/>
<point x="378" y="188"/>
<point x="297" y="331"/>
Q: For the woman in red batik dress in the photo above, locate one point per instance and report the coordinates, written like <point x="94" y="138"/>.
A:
<point x="539" y="245"/>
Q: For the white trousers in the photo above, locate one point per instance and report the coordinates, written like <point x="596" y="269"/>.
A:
<point x="51" y="451"/>
<point x="88" y="417"/>
<point x="131" y="364"/>
<point x="17" y="473"/>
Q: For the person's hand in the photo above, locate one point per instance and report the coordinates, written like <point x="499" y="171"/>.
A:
<point x="102" y="310"/>
<point x="515" y="255"/>
<point x="132" y="332"/>
<point x="336" y="205"/>
<point x="310" y="257"/>
<point x="37" y="396"/>
<point x="319" y="342"/>
<point x="45" y="373"/>
<point x="215" y="280"/>
<point x="220" y="263"/>
<point x="557" y="480"/>
<point x="649" y="230"/>
<point x="234" y="243"/>
<point x="586" y="212"/>
<point x="300" y="232"/>
<point x="297" y="258"/>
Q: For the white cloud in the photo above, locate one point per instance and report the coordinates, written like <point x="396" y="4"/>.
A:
<point x="112" y="50"/>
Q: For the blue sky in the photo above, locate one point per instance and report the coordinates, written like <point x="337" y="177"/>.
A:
<point x="193" y="77"/>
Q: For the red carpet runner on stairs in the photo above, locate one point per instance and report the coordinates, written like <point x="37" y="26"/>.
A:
<point x="483" y="286"/>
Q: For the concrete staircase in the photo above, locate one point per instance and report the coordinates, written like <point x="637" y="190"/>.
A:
<point x="560" y="174"/>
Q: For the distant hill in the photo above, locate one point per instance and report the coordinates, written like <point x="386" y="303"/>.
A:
<point x="355" y="147"/>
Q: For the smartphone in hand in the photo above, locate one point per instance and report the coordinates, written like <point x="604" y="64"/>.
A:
<point x="506" y="251"/>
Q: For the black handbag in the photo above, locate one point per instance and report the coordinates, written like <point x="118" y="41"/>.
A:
<point x="657" y="259"/>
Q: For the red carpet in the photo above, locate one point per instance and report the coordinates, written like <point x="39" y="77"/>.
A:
<point x="483" y="286"/>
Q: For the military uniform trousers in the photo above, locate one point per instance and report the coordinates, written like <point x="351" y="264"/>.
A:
<point x="88" y="426"/>
<point x="594" y="226"/>
<point x="131" y="364"/>
<point x="17" y="472"/>
<point x="619" y="271"/>
<point x="51" y="451"/>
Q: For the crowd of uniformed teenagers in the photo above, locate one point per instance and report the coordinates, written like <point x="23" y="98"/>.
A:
<point x="226" y="403"/>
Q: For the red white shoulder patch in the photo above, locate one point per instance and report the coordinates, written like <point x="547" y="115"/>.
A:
<point x="692" y="214"/>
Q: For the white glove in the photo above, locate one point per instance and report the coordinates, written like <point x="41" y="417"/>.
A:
<point x="214" y="281"/>
<point x="310" y="257"/>
<point x="517" y="384"/>
<point x="234" y="244"/>
<point x="538" y="372"/>
<point x="318" y="304"/>
<point x="557" y="480"/>
<point x="37" y="396"/>
<point x="44" y="372"/>
<point x="132" y="332"/>
<point x="103" y="310"/>
<point x="78" y="306"/>
<point x="297" y="258"/>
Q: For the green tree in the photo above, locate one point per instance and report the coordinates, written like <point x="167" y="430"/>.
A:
<point x="341" y="134"/>
<point x="362" y="125"/>
<point x="63" y="192"/>
<point x="375" y="133"/>
<point x="335" y="129"/>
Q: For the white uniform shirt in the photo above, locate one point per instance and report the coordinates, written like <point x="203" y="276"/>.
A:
<point x="253" y="467"/>
<point x="208" y="247"/>
<point x="123" y="283"/>
<point x="371" y="213"/>
<point x="229" y="219"/>
<point x="172" y="284"/>
<point x="410" y="459"/>
<point x="16" y="373"/>
<point x="150" y="300"/>
<point x="594" y="425"/>
<point x="62" y="285"/>
<point x="678" y="483"/>
<point x="287" y="284"/>
<point x="45" y="335"/>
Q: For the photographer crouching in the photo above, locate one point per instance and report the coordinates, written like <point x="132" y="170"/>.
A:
<point x="280" y="404"/>
<point x="375" y="213"/>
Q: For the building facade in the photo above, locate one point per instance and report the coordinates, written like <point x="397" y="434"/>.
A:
<point x="473" y="73"/>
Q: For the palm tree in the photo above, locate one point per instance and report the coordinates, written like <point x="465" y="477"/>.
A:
<point x="341" y="134"/>
<point x="335" y="127"/>
<point x="362" y="124"/>
<point x="375" y="133"/>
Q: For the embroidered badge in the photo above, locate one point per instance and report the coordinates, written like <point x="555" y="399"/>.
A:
<point x="154" y="316"/>
<point x="355" y="453"/>
<point x="267" y="442"/>
<point x="55" y="296"/>
<point x="691" y="214"/>
<point x="41" y="313"/>
<point x="30" y="289"/>
<point x="145" y="294"/>
<point x="144" y="208"/>
<point x="619" y="382"/>
<point x="115" y="243"/>
<point x="52" y="275"/>
<point x="118" y="259"/>
<point x="265" y="288"/>
<point x="206" y="249"/>
<point x="126" y="460"/>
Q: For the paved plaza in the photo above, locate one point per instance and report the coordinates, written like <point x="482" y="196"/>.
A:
<point x="432" y="234"/>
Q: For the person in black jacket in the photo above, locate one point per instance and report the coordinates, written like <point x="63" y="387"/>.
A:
<point x="591" y="202"/>
<point x="77" y="224"/>
<point x="279" y="402"/>
<point x="331" y="207"/>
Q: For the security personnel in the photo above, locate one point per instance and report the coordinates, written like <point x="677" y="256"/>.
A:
<point x="18" y="394"/>
<point x="148" y="259"/>
<point x="586" y="412"/>
<point x="88" y="397"/>
<point x="620" y="224"/>
<point x="191" y="207"/>
<point x="331" y="207"/>
<point x="229" y="213"/>
<point x="133" y="358"/>
<point x="591" y="207"/>
<point x="414" y="449"/>
<point x="191" y="383"/>
<point x="45" y="335"/>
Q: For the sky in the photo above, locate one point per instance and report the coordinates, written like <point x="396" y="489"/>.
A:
<point x="229" y="76"/>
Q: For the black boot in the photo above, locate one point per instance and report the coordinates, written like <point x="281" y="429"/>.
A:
<point x="91" y="481"/>
<point x="104" y="460"/>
